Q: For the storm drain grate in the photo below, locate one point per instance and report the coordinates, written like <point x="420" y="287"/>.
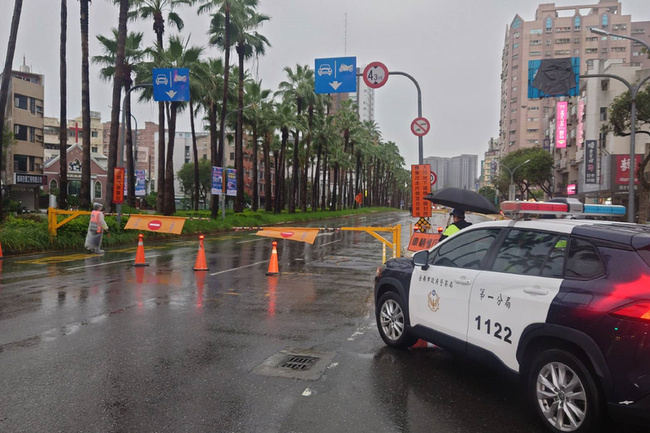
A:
<point x="295" y="362"/>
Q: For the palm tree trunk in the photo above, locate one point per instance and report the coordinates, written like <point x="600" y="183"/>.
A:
<point x="224" y="102"/>
<point x="294" y="173"/>
<point x="256" y="194"/>
<point x="63" y="110"/>
<point x="215" y="156"/>
<point x="84" y="199"/>
<point x="160" y="198"/>
<point x="279" y="173"/>
<point x="239" y="136"/>
<point x="4" y="87"/>
<point x="303" y="201"/>
<point x="130" y="164"/>
<point x="195" y="153"/>
<point x="115" y="103"/>
<point x="266" y="144"/>
<point x="170" y="204"/>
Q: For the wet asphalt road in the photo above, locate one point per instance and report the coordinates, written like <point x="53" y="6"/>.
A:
<point x="92" y="344"/>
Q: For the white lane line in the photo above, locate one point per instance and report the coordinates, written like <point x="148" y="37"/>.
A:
<point x="107" y="263"/>
<point x="333" y="242"/>
<point x="241" y="267"/>
<point x="254" y="240"/>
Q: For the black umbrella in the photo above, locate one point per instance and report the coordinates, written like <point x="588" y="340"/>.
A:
<point x="463" y="199"/>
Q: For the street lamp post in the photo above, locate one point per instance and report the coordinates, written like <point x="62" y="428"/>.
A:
<point x="511" y="189"/>
<point x="634" y="90"/>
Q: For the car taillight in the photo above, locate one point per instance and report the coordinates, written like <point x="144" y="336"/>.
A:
<point x="638" y="310"/>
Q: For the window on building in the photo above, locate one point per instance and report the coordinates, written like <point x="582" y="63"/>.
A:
<point x="32" y="134"/>
<point x="94" y="133"/>
<point x="535" y="53"/>
<point x="619" y="26"/>
<point x="563" y="41"/>
<point x="20" y="101"/>
<point x="53" y="186"/>
<point x="562" y="29"/>
<point x="535" y="31"/>
<point x="74" y="187"/>
<point x="591" y="50"/>
<point x="515" y="56"/>
<point x="603" y="113"/>
<point x="50" y="130"/>
<point x="592" y="39"/>
<point x="532" y="142"/>
<point x="605" y="20"/>
<point x="20" y="163"/>
<point x="563" y="52"/>
<point x="576" y="22"/>
<point x="515" y="45"/>
<point x="532" y="130"/>
<point x="20" y="132"/>
<point x="638" y="31"/>
<point x="549" y="24"/>
<point x="93" y="149"/>
<point x="98" y="189"/>
<point x="74" y="166"/>
<point x="535" y="42"/>
<point x="533" y="119"/>
<point x="618" y="49"/>
<point x="515" y="35"/>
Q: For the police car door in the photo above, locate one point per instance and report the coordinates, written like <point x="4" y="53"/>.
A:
<point x="515" y="292"/>
<point x="439" y="295"/>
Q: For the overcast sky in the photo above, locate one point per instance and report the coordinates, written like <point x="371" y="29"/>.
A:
<point x="452" y="48"/>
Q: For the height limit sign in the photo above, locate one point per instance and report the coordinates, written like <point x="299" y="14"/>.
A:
<point x="420" y="126"/>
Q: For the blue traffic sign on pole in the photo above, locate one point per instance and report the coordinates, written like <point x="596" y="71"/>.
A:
<point x="336" y="75"/>
<point x="171" y="84"/>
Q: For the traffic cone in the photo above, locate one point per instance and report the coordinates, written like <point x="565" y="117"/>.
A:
<point x="200" y="264"/>
<point x="273" y="264"/>
<point x="420" y="344"/>
<point x="139" y="254"/>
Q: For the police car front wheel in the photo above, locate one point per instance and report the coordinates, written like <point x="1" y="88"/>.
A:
<point x="563" y="392"/>
<point x="391" y="321"/>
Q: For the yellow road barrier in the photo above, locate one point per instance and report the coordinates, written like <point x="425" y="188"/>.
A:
<point x="373" y="231"/>
<point x="53" y="222"/>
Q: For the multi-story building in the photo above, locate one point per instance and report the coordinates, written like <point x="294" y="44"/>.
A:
<point x="364" y="98"/>
<point x="558" y="32"/>
<point x="23" y="170"/>
<point x="458" y="171"/>
<point x="52" y="140"/>
<point x="489" y="165"/>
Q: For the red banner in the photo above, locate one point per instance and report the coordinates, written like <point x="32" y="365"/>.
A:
<point x="421" y="186"/>
<point x="118" y="185"/>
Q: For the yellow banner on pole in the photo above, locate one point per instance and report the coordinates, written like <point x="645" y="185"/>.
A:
<point x="300" y="234"/>
<point x="156" y="223"/>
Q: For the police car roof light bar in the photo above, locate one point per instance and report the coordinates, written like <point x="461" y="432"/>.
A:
<point x="573" y="208"/>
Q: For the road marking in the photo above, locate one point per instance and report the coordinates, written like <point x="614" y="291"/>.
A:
<point x="254" y="240"/>
<point x="241" y="267"/>
<point x="307" y="392"/>
<point x="106" y="263"/>
<point x="333" y="242"/>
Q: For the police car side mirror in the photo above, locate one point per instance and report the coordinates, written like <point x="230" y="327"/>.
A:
<point x="421" y="258"/>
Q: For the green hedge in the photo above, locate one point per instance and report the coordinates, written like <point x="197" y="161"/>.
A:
<point x="28" y="233"/>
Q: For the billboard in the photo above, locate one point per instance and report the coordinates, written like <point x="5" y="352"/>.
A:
<point x="621" y="171"/>
<point x="421" y="186"/>
<point x="561" y="116"/>
<point x="549" y="78"/>
<point x="591" y="162"/>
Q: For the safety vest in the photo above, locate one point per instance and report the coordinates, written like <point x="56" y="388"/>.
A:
<point x="94" y="221"/>
<point x="450" y="230"/>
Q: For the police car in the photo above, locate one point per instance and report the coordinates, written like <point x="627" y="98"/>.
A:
<point x="564" y="303"/>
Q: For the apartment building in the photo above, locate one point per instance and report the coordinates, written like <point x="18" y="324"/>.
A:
<point x="51" y="131"/>
<point x="23" y="171"/>
<point x="458" y="171"/>
<point x="490" y="165"/>
<point x="558" y="32"/>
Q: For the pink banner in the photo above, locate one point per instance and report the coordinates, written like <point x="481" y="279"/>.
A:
<point x="561" y="124"/>
<point x="581" y="133"/>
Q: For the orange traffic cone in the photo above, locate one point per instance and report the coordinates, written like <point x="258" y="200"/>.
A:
<point x="420" y="344"/>
<point x="139" y="254"/>
<point x="273" y="264"/>
<point x="200" y="264"/>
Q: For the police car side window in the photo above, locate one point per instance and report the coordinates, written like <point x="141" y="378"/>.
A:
<point x="466" y="249"/>
<point x="583" y="261"/>
<point x="525" y="252"/>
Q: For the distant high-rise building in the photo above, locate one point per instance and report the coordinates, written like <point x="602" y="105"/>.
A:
<point x="458" y="171"/>
<point x="558" y="32"/>
<point x="365" y="99"/>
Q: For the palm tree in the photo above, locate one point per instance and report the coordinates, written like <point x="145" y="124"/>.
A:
<point x="285" y="119"/>
<point x="266" y="130"/>
<point x="210" y="79"/>
<point x="221" y="36"/>
<point x="133" y="55"/>
<point x="116" y="98"/>
<point x="6" y="77"/>
<point x="178" y="55"/>
<point x="63" y="119"/>
<point x="84" y="199"/>
<point x="297" y="88"/>
<point x="156" y="9"/>
<point x="253" y="117"/>
<point x="249" y="43"/>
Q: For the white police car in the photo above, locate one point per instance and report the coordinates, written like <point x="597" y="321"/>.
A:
<point x="564" y="303"/>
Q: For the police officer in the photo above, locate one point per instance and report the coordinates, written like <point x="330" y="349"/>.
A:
<point x="459" y="223"/>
